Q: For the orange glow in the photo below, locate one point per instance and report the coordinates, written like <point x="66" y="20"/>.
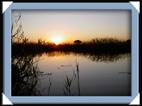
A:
<point x="57" y="39"/>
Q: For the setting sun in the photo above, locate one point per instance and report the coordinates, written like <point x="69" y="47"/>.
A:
<point x="57" y="40"/>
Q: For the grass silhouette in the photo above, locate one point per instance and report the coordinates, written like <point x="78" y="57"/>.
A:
<point x="97" y="46"/>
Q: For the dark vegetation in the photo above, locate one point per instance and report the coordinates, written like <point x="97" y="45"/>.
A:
<point x="24" y="76"/>
<point x="97" y="46"/>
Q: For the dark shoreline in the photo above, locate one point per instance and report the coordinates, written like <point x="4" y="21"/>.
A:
<point x="98" y="47"/>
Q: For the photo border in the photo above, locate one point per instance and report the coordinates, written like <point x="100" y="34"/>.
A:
<point x="72" y="99"/>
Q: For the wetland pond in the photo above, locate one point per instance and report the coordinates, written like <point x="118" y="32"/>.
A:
<point x="72" y="74"/>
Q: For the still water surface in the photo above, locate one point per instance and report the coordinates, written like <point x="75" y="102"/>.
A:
<point x="85" y="75"/>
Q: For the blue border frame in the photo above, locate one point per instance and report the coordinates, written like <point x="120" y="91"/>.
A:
<point x="71" y="99"/>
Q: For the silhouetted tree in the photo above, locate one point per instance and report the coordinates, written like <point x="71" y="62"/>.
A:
<point x="77" y="41"/>
<point x="41" y="42"/>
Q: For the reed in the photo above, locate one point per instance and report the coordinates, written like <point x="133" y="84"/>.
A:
<point x="67" y="86"/>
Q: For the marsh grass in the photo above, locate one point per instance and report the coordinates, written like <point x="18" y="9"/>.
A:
<point x="24" y="76"/>
<point x="94" y="46"/>
<point x="67" y="85"/>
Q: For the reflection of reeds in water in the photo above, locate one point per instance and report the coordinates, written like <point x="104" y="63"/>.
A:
<point x="106" y="57"/>
<point x="24" y="76"/>
<point x="78" y="81"/>
<point x="92" y="56"/>
<point x="50" y="83"/>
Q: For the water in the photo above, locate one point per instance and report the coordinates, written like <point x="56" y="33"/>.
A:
<point x="97" y="75"/>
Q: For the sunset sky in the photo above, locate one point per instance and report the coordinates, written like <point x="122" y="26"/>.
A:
<point x="69" y="25"/>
